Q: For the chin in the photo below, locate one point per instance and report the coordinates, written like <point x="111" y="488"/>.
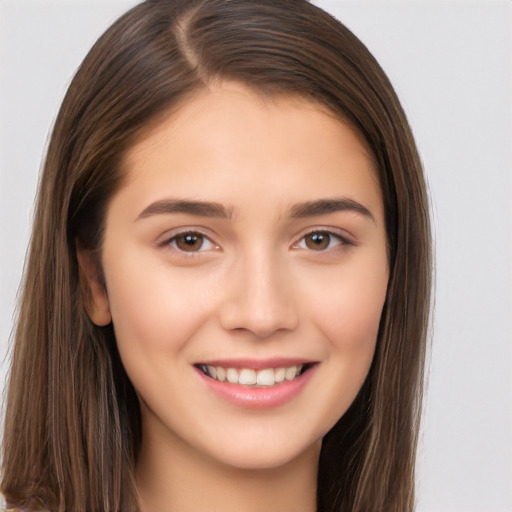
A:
<point x="255" y="455"/>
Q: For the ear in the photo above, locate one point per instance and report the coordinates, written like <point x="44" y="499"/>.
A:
<point x="93" y="289"/>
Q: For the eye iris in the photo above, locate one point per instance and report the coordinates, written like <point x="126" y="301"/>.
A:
<point x="189" y="242"/>
<point x="318" y="241"/>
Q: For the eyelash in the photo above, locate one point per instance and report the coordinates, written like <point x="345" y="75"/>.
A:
<point x="335" y="242"/>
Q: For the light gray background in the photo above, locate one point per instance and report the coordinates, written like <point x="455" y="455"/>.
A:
<point x="450" y="62"/>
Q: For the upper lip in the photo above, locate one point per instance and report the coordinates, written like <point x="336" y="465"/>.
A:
<point x="257" y="364"/>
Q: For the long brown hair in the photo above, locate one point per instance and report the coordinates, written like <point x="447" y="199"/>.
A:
<point x="72" y="427"/>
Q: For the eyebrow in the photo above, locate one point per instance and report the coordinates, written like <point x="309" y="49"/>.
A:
<point x="326" y="206"/>
<point x="212" y="209"/>
<point x="200" y="208"/>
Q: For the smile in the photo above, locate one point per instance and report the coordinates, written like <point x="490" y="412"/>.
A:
<point x="264" y="377"/>
<point x="257" y="384"/>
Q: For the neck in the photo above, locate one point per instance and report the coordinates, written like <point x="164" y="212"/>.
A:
<point x="179" y="479"/>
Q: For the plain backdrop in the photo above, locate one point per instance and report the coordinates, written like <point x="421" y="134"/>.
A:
<point x="451" y="64"/>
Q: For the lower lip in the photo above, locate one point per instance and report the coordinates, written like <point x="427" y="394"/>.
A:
<point x="252" y="397"/>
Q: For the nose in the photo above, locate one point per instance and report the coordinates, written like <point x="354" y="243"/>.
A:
<point x="259" y="298"/>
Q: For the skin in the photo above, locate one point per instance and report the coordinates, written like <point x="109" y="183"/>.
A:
<point x="260" y="286"/>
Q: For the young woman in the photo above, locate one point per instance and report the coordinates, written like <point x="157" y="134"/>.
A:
<point x="227" y="291"/>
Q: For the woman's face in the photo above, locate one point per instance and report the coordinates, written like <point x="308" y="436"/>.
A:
<point x="246" y="270"/>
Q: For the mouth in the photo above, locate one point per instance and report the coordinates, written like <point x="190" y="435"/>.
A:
<point x="250" y="377"/>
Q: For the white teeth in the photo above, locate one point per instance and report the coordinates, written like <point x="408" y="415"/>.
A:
<point x="279" y="374"/>
<point x="266" y="377"/>
<point x="221" y="374"/>
<point x="232" y="375"/>
<point x="247" y="377"/>
<point x="212" y="371"/>
<point x="291" y="373"/>
<point x="250" y="377"/>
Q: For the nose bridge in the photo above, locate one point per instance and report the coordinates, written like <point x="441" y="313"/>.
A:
<point x="260" y="294"/>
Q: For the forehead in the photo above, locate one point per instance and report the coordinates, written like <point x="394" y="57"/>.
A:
<point x="220" y="98"/>
<point x="229" y="137"/>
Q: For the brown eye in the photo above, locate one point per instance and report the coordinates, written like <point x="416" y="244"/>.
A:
<point x="190" y="242"/>
<point x="318" y="241"/>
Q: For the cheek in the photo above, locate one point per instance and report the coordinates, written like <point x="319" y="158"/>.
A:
<point x="153" y="309"/>
<point x="348" y="309"/>
<point x="348" y="313"/>
<point x="352" y="319"/>
<point x="349" y="319"/>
